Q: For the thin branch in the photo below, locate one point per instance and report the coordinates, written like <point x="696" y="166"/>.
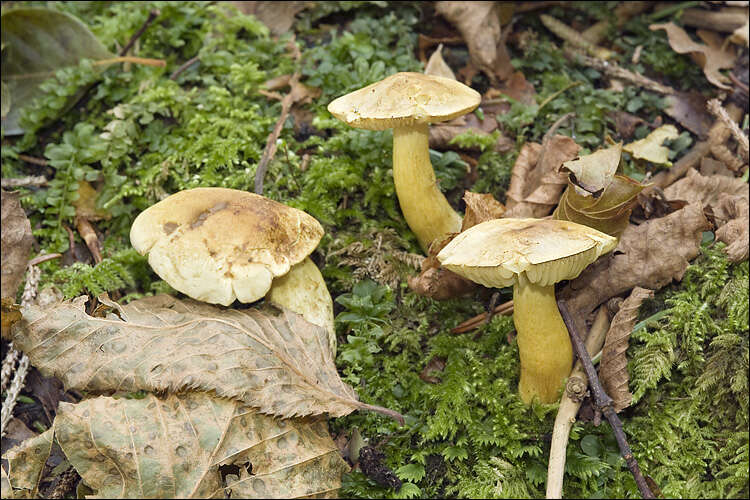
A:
<point x="33" y="160"/>
<point x="151" y="16"/>
<point x="182" y="68"/>
<point x="506" y="309"/>
<point x="614" y="71"/>
<point x="32" y="180"/>
<point x="602" y="401"/>
<point x="715" y="108"/>
<point x="272" y="142"/>
<point x="571" y="400"/>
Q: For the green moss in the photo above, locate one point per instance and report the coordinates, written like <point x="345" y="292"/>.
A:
<point x="138" y="136"/>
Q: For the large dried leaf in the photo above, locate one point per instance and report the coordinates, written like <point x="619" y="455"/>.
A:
<point x="36" y="43"/>
<point x="650" y="255"/>
<point x="16" y="241"/>
<point x="613" y="370"/>
<point x="704" y="189"/>
<point x="173" y="447"/>
<point x="710" y="57"/>
<point x="26" y="463"/>
<point x="535" y="187"/>
<point x="280" y="364"/>
<point x="479" y="25"/>
<point x="650" y="147"/>
<point x="689" y="109"/>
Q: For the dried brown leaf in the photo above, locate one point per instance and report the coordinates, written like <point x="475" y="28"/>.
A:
<point x="650" y="255"/>
<point x="734" y="232"/>
<point x="613" y="370"/>
<point x="697" y="188"/>
<point x="591" y="173"/>
<point x="710" y="58"/>
<point x="280" y="364"/>
<point x="689" y="109"/>
<point x="85" y="205"/>
<point x="535" y="188"/>
<point x="277" y="16"/>
<point x="435" y="365"/>
<point x="172" y="447"/>
<point x="480" y="207"/>
<point x="437" y="66"/>
<point x="16" y="243"/>
<point x="26" y="463"/>
<point x="479" y="25"/>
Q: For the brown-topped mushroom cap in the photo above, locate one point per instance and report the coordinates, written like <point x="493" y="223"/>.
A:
<point x="405" y="99"/>
<point x="217" y="244"/>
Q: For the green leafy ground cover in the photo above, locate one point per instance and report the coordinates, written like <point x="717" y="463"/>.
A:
<point x="138" y="135"/>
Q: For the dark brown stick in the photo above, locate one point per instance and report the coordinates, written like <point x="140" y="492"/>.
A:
<point x="182" y="68"/>
<point x="33" y="160"/>
<point x="151" y="16"/>
<point x="603" y="402"/>
<point x="506" y="308"/>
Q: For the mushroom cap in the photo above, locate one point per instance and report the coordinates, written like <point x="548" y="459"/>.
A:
<point x="496" y="252"/>
<point x="217" y="244"/>
<point x="405" y="99"/>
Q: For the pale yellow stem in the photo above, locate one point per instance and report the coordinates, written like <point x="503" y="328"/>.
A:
<point x="427" y="212"/>
<point x="543" y="342"/>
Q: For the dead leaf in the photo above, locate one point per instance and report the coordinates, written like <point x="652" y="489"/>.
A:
<point x="740" y="35"/>
<point x="480" y="207"/>
<point x="613" y="370"/>
<point x="172" y="447"/>
<point x="435" y="365"/>
<point x="591" y="173"/>
<point x="11" y="314"/>
<point x="535" y="188"/>
<point x="278" y="363"/>
<point x="709" y="166"/>
<point x="696" y="188"/>
<point x="710" y="58"/>
<point x="16" y="243"/>
<point x="277" y="16"/>
<point x="437" y="66"/>
<point x="650" y="255"/>
<point x="625" y="123"/>
<point x="518" y="88"/>
<point x="734" y="232"/>
<point x="85" y="205"/>
<point x="689" y="109"/>
<point x="26" y="463"/>
<point x="479" y="25"/>
<point x="650" y="147"/>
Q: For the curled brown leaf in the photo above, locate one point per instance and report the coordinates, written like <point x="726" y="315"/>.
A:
<point x="613" y="370"/>
<point x="16" y="243"/>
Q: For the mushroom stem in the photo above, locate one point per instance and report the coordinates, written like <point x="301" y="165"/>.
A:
<point x="304" y="291"/>
<point x="543" y="342"/>
<point x="427" y="212"/>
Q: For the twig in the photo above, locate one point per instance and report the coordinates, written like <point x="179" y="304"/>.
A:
<point x="716" y="109"/>
<point x="575" y="390"/>
<point x="33" y="160"/>
<point x="602" y="401"/>
<point x="573" y="37"/>
<point x="271" y="143"/>
<point x="614" y="71"/>
<point x="146" y="61"/>
<point x="505" y="309"/>
<point x="185" y="66"/>
<point x="43" y="258"/>
<point x="151" y="16"/>
<point x="32" y="180"/>
<point x="741" y="85"/>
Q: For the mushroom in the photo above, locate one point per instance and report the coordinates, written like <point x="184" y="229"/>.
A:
<point x="408" y="103"/>
<point x="532" y="255"/>
<point x="217" y="245"/>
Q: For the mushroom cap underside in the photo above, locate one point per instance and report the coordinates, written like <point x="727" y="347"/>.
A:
<point x="494" y="253"/>
<point x="405" y="99"/>
<point x="218" y="244"/>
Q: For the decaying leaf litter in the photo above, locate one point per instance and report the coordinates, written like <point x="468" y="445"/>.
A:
<point x="538" y="65"/>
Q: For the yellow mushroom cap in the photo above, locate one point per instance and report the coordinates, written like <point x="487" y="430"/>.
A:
<point x="217" y="244"/>
<point x="494" y="253"/>
<point x="405" y="99"/>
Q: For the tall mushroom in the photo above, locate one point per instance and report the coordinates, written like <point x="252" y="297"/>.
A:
<point x="532" y="255"/>
<point x="218" y="245"/>
<point x="408" y="103"/>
